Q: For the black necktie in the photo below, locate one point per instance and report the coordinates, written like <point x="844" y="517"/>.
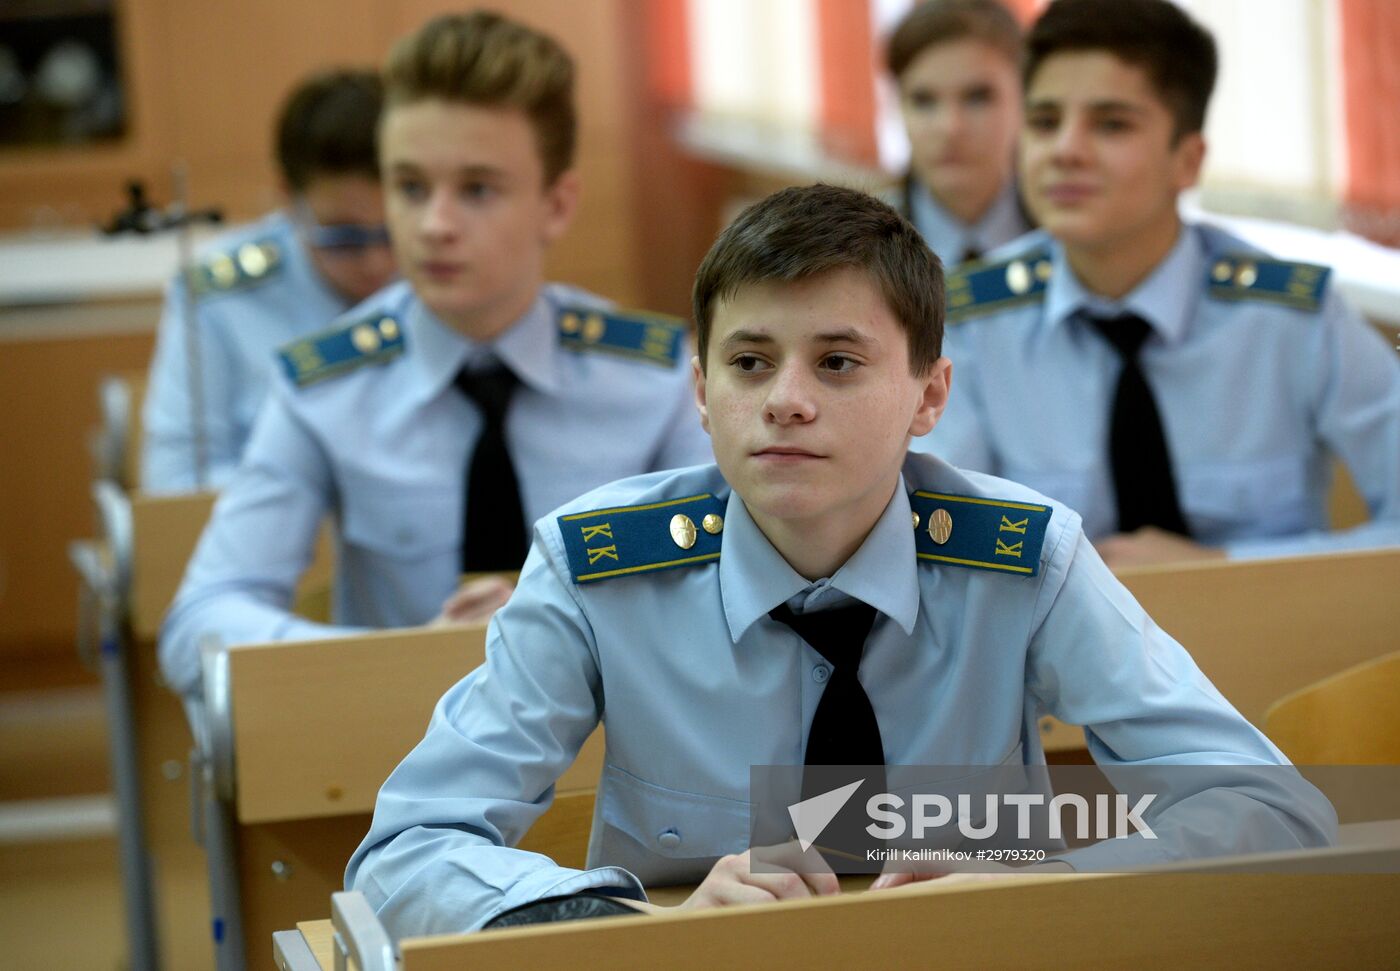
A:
<point x="972" y="253"/>
<point x="1137" y="446"/>
<point x="844" y="729"/>
<point x="493" y="532"/>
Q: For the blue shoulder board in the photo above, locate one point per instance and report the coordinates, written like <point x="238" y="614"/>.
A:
<point x="639" y="539"/>
<point x="342" y="349"/>
<point x="1244" y="277"/>
<point x="983" y="533"/>
<point x="976" y="289"/>
<point x="236" y="269"/>
<point x="645" y="337"/>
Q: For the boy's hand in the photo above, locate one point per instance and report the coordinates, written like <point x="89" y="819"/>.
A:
<point x="793" y="875"/>
<point x="474" y="601"/>
<point x="1150" y="545"/>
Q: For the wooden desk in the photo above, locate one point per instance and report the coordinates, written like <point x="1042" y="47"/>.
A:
<point x="1167" y="919"/>
<point x="306" y="732"/>
<point x="1264" y="628"/>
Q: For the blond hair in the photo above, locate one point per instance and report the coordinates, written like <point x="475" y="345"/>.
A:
<point x="482" y="58"/>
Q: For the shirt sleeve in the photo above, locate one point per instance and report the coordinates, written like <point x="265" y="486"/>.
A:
<point x="1355" y="396"/>
<point x="241" y="581"/>
<point x="1154" y="722"/>
<point x="168" y="425"/>
<point x="440" y="856"/>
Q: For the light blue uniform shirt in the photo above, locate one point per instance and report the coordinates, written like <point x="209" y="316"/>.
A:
<point x="241" y="324"/>
<point x="695" y="683"/>
<point x="1256" y="397"/>
<point x="384" y="448"/>
<point x="948" y="236"/>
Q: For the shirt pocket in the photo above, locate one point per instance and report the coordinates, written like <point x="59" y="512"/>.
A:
<point x="1225" y="501"/>
<point x="672" y="824"/>
<point x="401" y="522"/>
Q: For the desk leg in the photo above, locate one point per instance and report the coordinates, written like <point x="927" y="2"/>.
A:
<point x="220" y="838"/>
<point x="138" y="890"/>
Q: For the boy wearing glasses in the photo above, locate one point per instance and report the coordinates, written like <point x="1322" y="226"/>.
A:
<point x="261" y="286"/>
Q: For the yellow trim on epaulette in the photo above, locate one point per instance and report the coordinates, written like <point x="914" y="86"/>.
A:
<point x="646" y="567"/>
<point x="1251" y="277"/>
<point x="990" y="534"/>
<point x="337" y="350"/>
<point x="249" y="264"/>
<point x="634" y="334"/>
<point x="643" y="508"/>
<point x="978" y="289"/>
<point x="643" y="538"/>
<point x="978" y="502"/>
<point x="979" y="563"/>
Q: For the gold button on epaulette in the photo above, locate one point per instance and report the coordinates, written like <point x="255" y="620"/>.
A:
<point x="365" y="338"/>
<point x="1246" y="275"/>
<point x="222" y="271"/>
<point x="940" y="526"/>
<point x="1222" y="271"/>
<point x="594" y="328"/>
<point x="683" y="531"/>
<point x="253" y="259"/>
<point x="388" y="328"/>
<point x="712" y="523"/>
<point x="1018" y="277"/>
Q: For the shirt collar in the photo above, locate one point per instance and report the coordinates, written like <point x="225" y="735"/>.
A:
<point x="950" y="237"/>
<point x="438" y="351"/>
<point x="754" y="578"/>
<point x="1165" y="299"/>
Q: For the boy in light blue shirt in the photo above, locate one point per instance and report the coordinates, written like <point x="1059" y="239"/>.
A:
<point x="690" y="613"/>
<point x="1184" y="392"/>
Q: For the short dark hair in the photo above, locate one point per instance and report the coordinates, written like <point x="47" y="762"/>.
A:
<point x="804" y="231"/>
<point x="1176" y="52"/>
<point x="943" y="21"/>
<point x="328" y="126"/>
<point x="483" y="58"/>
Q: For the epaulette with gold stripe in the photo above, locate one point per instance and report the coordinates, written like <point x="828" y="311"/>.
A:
<point x="1245" y="277"/>
<point x="236" y="269"/>
<point x="988" y="534"/>
<point x="342" y="349"/>
<point x="644" y="337"/>
<point x="975" y="289"/>
<point x="625" y="540"/>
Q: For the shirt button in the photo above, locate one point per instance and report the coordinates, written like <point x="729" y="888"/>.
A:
<point x="669" y="839"/>
<point x="820" y="673"/>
